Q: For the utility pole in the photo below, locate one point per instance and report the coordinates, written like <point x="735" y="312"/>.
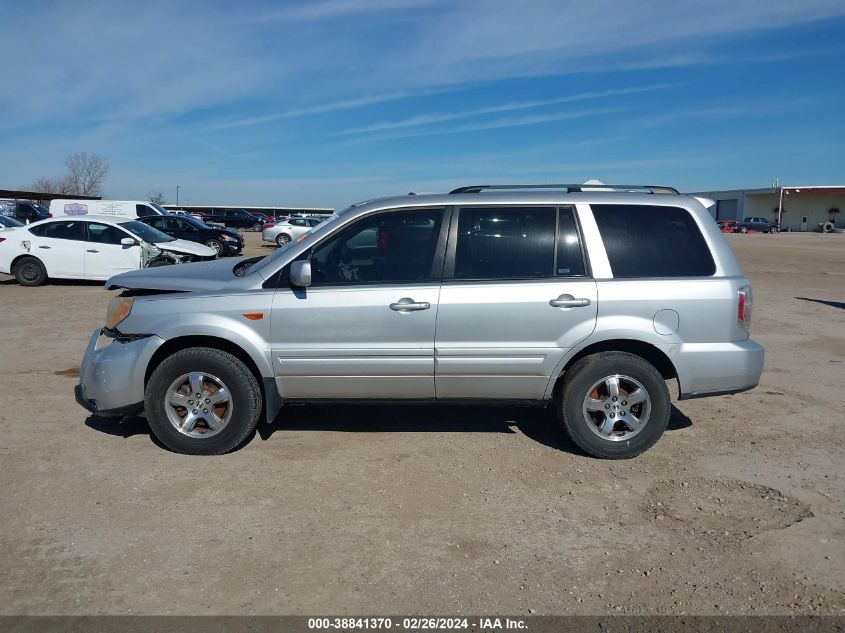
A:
<point x="177" y="194"/>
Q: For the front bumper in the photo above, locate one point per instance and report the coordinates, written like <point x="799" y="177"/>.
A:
<point x="111" y="379"/>
<point x="715" y="369"/>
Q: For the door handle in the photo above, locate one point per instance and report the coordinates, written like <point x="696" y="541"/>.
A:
<point x="46" y="247"/>
<point x="406" y="304"/>
<point x="568" y="301"/>
<point x="92" y="250"/>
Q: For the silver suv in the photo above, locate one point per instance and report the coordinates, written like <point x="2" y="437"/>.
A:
<point x="586" y="298"/>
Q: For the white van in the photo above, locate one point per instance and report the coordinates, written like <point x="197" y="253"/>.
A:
<point x="117" y="208"/>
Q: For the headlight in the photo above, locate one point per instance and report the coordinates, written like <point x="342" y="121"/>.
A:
<point x="119" y="309"/>
<point x="228" y="238"/>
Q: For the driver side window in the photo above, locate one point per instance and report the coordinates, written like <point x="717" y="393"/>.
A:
<point x="394" y="247"/>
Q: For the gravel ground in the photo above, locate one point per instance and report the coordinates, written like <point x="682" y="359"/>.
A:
<point x="740" y="508"/>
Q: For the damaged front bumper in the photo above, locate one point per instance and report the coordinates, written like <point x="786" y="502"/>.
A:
<point x="111" y="378"/>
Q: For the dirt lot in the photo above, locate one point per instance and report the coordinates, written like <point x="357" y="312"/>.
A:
<point x="740" y="508"/>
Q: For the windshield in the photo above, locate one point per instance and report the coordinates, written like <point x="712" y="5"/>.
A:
<point x="159" y="208"/>
<point x="145" y="232"/>
<point x="274" y="257"/>
<point x="194" y="221"/>
<point x="42" y="210"/>
<point x="5" y="220"/>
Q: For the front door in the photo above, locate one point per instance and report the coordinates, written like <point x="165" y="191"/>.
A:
<point x="365" y="327"/>
<point x="516" y="296"/>
<point x="105" y="255"/>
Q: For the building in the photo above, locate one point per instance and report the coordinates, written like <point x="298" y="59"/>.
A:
<point x="794" y="208"/>
<point x="269" y="211"/>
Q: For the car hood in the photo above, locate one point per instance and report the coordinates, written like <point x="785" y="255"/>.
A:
<point x="179" y="277"/>
<point x="189" y="248"/>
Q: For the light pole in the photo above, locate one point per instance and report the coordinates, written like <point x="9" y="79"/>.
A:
<point x="177" y="194"/>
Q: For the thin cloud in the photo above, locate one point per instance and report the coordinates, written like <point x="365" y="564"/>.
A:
<point x="507" y="122"/>
<point x="442" y="117"/>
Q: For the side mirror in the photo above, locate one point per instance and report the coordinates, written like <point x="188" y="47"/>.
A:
<point x="128" y="241"/>
<point x="300" y="274"/>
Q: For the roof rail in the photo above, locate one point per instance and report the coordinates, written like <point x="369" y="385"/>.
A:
<point x="572" y="188"/>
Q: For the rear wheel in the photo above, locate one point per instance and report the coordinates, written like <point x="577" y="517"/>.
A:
<point x="29" y="271"/>
<point x="202" y="401"/>
<point x="614" y="405"/>
<point x="282" y="239"/>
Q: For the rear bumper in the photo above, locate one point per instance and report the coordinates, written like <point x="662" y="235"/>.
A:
<point x="715" y="369"/>
<point x="111" y="379"/>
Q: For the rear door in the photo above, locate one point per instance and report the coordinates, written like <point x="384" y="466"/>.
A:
<point x="365" y="327"/>
<point x="105" y="255"/>
<point x="516" y="296"/>
<point x="61" y="246"/>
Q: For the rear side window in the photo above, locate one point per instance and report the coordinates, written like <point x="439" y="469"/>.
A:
<point x="652" y="241"/>
<point x="60" y="230"/>
<point x="517" y="243"/>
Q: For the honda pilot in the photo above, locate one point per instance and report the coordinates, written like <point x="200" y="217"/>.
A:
<point x="590" y="299"/>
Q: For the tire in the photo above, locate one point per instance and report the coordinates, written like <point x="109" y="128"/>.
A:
<point x="743" y="229"/>
<point x="586" y="378"/>
<point x="282" y="239"/>
<point x="213" y="431"/>
<point x="29" y="271"/>
<point x="215" y="245"/>
<point x="257" y="226"/>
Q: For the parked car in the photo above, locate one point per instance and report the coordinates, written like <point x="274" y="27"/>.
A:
<point x="728" y="226"/>
<point x="90" y="247"/>
<point x="223" y="241"/>
<point x="284" y="232"/>
<point x="757" y="224"/>
<point x="113" y="208"/>
<point x="8" y="222"/>
<point x="235" y="218"/>
<point x="417" y="298"/>
<point x="25" y="211"/>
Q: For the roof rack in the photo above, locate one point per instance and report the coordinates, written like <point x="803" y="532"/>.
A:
<point x="572" y="188"/>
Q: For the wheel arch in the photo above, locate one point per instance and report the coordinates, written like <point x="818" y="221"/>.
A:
<point x="17" y="259"/>
<point x="647" y="351"/>
<point x="269" y="391"/>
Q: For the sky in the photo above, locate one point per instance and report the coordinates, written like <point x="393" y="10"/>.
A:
<point x="328" y="102"/>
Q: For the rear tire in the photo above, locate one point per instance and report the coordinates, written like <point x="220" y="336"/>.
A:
<point x="743" y="229"/>
<point x="29" y="271"/>
<point x="220" y="428"/>
<point x="282" y="239"/>
<point x="586" y="406"/>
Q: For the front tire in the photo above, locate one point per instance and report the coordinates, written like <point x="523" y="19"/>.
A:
<point x="215" y="245"/>
<point x="202" y="401"/>
<point x="29" y="271"/>
<point x="614" y="405"/>
<point x="743" y="229"/>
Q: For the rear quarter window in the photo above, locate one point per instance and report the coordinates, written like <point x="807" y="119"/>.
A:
<point x="652" y="241"/>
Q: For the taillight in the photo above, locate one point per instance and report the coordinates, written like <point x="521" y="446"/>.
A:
<point x="743" y="307"/>
<point x="268" y="226"/>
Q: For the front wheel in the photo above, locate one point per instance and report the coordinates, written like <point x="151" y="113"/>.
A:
<point x="215" y="245"/>
<point x="202" y="401"/>
<point x="743" y="229"/>
<point x="614" y="405"/>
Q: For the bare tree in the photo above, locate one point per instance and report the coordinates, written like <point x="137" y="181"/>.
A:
<point x="45" y="185"/>
<point x="156" y="197"/>
<point x="86" y="173"/>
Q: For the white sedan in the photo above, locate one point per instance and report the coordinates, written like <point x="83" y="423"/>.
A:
<point x="288" y="230"/>
<point x="90" y="247"/>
